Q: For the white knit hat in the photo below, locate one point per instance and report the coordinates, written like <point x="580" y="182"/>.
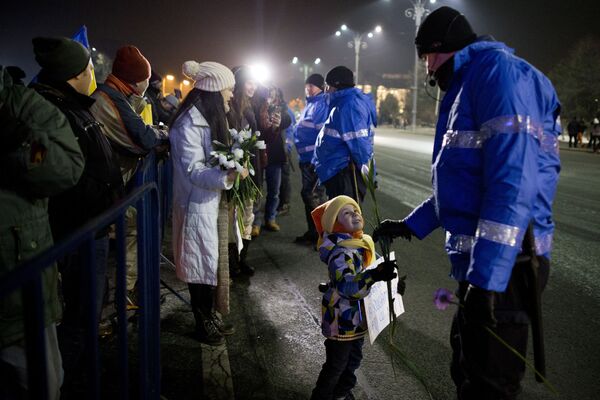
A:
<point x="209" y="76"/>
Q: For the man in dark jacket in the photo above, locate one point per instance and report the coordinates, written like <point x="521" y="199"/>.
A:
<point x="119" y="104"/>
<point x="155" y="97"/>
<point x="39" y="157"/>
<point x="65" y="81"/>
<point x="573" y="129"/>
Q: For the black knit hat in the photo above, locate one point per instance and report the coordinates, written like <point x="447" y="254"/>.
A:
<point x="317" y="80"/>
<point x="340" y="77"/>
<point x="60" y="58"/>
<point x="443" y="31"/>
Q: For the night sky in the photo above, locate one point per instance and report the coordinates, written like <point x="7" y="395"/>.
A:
<point x="273" y="31"/>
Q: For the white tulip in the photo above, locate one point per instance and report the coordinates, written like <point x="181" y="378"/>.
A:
<point x="260" y="144"/>
<point x="238" y="154"/>
<point x="229" y="164"/>
<point x="223" y="160"/>
<point x="238" y="167"/>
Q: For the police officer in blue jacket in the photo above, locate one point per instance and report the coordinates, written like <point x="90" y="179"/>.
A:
<point x="306" y="131"/>
<point x="495" y="169"/>
<point x="344" y="146"/>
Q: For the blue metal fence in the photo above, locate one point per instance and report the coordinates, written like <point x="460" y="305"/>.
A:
<point x="151" y="196"/>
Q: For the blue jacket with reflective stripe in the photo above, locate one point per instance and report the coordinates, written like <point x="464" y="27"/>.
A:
<point x="309" y="124"/>
<point x="347" y="133"/>
<point x="495" y="164"/>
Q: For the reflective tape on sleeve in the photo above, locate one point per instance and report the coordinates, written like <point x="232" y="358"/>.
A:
<point x="499" y="233"/>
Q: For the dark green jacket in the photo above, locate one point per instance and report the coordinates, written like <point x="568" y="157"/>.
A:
<point x="45" y="161"/>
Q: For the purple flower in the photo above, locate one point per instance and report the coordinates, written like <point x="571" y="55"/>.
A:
<point x="442" y="298"/>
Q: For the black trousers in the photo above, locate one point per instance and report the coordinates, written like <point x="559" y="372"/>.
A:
<point x="482" y="368"/>
<point x="202" y="299"/>
<point x="347" y="182"/>
<point x="312" y="194"/>
<point x="337" y="375"/>
<point x="573" y="138"/>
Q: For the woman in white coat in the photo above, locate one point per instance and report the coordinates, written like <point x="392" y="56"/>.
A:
<point x="200" y="214"/>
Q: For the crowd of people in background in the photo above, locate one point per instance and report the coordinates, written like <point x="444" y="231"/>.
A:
<point x="578" y="129"/>
<point x="85" y="151"/>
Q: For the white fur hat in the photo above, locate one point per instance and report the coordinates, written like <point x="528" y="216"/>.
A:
<point x="209" y="76"/>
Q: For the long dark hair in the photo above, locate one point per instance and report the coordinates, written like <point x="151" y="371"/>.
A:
<point x="241" y="105"/>
<point x="210" y="105"/>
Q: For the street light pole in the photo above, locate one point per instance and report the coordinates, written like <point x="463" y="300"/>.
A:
<point x="417" y="13"/>
<point x="306" y="68"/>
<point x="357" y="43"/>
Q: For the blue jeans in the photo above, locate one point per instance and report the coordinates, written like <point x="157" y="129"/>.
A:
<point x="273" y="178"/>
<point x="337" y="375"/>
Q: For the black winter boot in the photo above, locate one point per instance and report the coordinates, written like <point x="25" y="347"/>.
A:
<point x="202" y="304"/>
<point x="234" y="261"/>
<point x="245" y="268"/>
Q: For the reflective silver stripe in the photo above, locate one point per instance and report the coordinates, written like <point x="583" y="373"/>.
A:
<point x="543" y="244"/>
<point x="308" y="124"/>
<point x="332" y="133"/>
<point x="464" y="243"/>
<point x="464" y="139"/>
<point x="306" y="149"/>
<point x="499" y="233"/>
<point x="355" y="135"/>
<point x="503" y="124"/>
<point x="513" y="124"/>
<point x="459" y="243"/>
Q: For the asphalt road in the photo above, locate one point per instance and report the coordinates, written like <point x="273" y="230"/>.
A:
<point x="278" y="350"/>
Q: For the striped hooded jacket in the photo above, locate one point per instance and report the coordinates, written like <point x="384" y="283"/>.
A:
<point x="343" y="315"/>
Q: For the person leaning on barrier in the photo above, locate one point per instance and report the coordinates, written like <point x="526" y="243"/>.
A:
<point x="344" y="146"/>
<point x="65" y="81"/>
<point x="495" y="170"/>
<point x="118" y="107"/>
<point x="39" y="157"/>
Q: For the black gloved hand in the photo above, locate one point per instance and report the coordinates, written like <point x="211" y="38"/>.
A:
<point x="384" y="271"/>
<point x="392" y="229"/>
<point x="479" y="307"/>
<point x="401" y="288"/>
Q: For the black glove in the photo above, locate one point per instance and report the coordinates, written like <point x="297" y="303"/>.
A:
<point x="479" y="307"/>
<point x="401" y="288"/>
<point x="384" y="271"/>
<point x="392" y="229"/>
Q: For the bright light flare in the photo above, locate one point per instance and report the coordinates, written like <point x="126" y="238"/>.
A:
<point x="260" y="72"/>
<point x="378" y="29"/>
<point x="186" y="82"/>
<point x="317" y="61"/>
<point x="432" y="1"/>
<point x="338" y="33"/>
<point x="170" y="77"/>
<point x="295" y="60"/>
<point x="344" y="27"/>
<point x="370" y="34"/>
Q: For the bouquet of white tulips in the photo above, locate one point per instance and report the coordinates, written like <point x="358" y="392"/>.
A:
<point x="238" y="155"/>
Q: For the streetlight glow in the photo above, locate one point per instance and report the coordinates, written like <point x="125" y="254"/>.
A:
<point x="338" y="33"/>
<point x="317" y="61"/>
<point x="370" y="34"/>
<point x="295" y="60"/>
<point x="260" y="72"/>
<point x="378" y="29"/>
<point x="344" y="27"/>
<point x="432" y="1"/>
<point x="186" y="82"/>
<point x="170" y="77"/>
<point x="93" y="49"/>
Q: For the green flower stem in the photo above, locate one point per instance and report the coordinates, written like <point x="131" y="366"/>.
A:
<point x="522" y="358"/>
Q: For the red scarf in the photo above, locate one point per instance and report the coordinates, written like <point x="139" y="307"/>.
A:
<point x="119" y="85"/>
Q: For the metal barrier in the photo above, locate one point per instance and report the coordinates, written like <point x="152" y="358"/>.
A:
<point x="151" y="216"/>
